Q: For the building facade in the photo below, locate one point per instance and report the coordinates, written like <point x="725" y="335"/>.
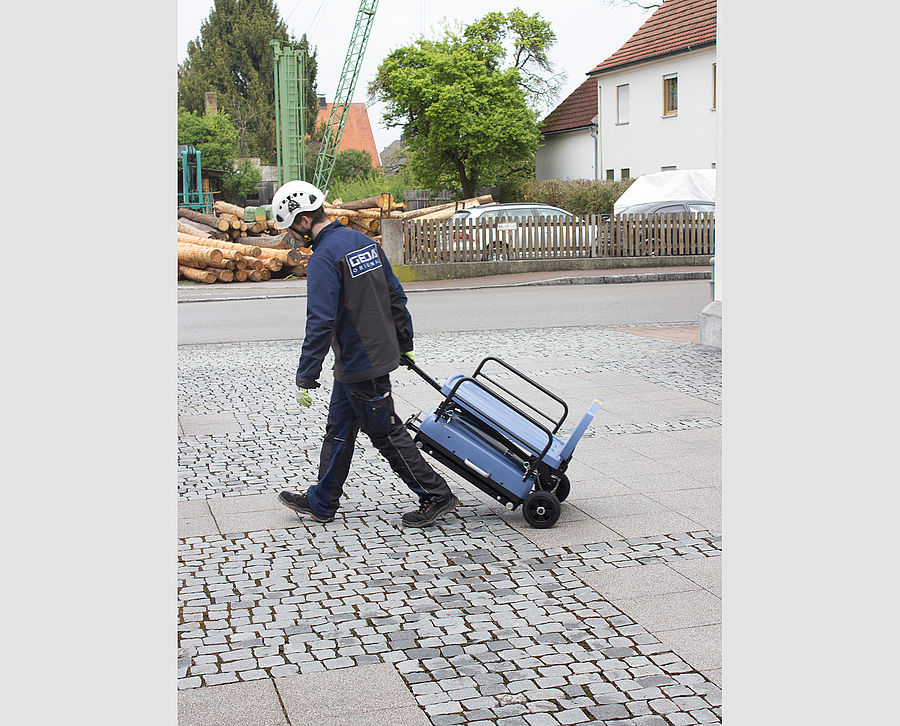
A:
<point x="649" y="107"/>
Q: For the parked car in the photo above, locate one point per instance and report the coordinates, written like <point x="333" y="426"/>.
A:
<point x="647" y="243"/>
<point x="685" y="206"/>
<point x="511" y="218"/>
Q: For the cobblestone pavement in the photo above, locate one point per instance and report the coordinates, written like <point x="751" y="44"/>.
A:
<point x="484" y="625"/>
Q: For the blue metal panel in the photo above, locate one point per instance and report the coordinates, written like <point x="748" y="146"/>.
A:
<point x="464" y="442"/>
<point x="505" y="419"/>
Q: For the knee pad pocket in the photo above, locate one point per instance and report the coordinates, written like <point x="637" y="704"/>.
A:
<point x="375" y="413"/>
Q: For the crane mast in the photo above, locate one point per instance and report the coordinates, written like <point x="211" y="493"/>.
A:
<point x="340" y="107"/>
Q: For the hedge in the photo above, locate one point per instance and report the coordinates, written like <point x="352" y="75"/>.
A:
<point x="580" y="196"/>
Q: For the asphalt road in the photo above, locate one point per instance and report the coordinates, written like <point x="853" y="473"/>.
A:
<point x="456" y="310"/>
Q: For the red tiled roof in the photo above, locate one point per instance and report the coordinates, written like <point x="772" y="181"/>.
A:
<point x="678" y="25"/>
<point x="357" y="130"/>
<point x="575" y="112"/>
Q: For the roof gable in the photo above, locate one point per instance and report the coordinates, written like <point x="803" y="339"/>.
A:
<point x="357" y="130"/>
<point x="676" y="26"/>
<point x="577" y="111"/>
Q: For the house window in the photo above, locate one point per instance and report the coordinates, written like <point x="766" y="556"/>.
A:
<point x="622" y="104"/>
<point x="670" y="95"/>
<point x="714" y="87"/>
<point x="610" y="175"/>
<point x="626" y="173"/>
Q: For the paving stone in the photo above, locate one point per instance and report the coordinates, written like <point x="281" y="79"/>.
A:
<point x="238" y="704"/>
<point x="364" y="593"/>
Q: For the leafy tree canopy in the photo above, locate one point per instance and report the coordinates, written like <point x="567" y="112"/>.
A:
<point x="350" y="164"/>
<point x="464" y="100"/>
<point x="217" y="140"/>
<point x="233" y="57"/>
<point x="212" y="134"/>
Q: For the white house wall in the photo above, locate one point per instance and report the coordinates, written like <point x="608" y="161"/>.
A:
<point x="650" y="141"/>
<point x="566" y="155"/>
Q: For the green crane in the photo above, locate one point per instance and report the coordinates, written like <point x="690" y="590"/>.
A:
<point x="334" y="129"/>
<point x="290" y="87"/>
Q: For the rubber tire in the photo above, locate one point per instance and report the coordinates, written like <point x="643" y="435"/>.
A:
<point x="563" y="488"/>
<point x="541" y="509"/>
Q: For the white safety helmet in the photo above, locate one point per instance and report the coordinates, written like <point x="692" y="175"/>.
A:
<point x="294" y="197"/>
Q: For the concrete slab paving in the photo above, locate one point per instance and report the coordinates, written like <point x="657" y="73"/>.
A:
<point x="196" y="508"/>
<point x="587" y="532"/>
<point x="212" y="424"/>
<point x="624" y="583"/>
<point x="646" y="525"/>
<point x="705" y="571"/>
<point x="603" y="508"/>
<point x="589" y="484"/>
<point x="708" y="518"/>
<point x="197" y="526"/>
<point x="253" y="703"/>
<point x="642" y="466"/>
<point x="700" y="645"/>
<point x="408" y="716"/>
<point x="246" y="503"/>
<point x="674" y="610"/>
<point x="282" y="518"/>
<point x="668" y="481"/>
<point x="373" y="691"/>
<point x="689" y="498"/>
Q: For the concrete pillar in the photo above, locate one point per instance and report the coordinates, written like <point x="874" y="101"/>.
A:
<point x="392" y="240"/>
<point x="711" y="316"/>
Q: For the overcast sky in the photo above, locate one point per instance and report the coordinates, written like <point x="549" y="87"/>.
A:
<point x="587" y="33"/>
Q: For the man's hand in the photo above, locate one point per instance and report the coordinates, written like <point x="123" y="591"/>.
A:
<point x="410" y="356"/>
<point x="303" y="398"/>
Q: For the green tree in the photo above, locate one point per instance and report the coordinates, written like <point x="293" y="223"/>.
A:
<point x="233" y="57"/>
<point x="350" y="164"/>
<point x="217" y="140"/>
<point x="241" y="182"/>
<point x="464" y="100"/>
<point x="213" y="134"/>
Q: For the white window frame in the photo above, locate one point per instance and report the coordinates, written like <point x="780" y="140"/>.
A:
<point x="667" y="113"/>
<point x="622" y="118"/>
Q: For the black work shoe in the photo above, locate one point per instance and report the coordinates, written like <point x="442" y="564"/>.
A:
<point x="429" y="511"/>
<point x="300" y="504"/>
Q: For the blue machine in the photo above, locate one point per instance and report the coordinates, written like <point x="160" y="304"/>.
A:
<point x="498" y="441"/>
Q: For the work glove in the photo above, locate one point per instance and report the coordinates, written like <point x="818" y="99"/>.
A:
<point x="410" y="356"/>
<point x="303" y="397"/>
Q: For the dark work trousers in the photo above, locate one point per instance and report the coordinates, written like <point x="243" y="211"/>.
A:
<point x="369" y="407"/>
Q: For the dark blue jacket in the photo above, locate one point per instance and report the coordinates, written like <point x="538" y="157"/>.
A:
<point x="355" y="304"/>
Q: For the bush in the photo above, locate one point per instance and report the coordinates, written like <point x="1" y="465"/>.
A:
<point x="352" y="164"/>
<point x="581" y="196"/>
<point x="371" y="185"/>
<point x="213" y="134"/>
<point x="240" y="183"/>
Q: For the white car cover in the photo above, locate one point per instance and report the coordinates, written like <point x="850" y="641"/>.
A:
<point x="665" y="185"/>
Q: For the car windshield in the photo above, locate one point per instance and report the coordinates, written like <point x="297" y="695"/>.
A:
<point x="462" y="214"/>
<point x="702" y="207"/>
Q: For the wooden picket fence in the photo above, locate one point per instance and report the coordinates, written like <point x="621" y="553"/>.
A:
<point x="434" y="241"/>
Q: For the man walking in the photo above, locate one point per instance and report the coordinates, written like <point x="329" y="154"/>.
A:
<point x="354" y="304"/>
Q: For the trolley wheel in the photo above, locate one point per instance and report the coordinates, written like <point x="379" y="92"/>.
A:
<point x="562" y="489"/>
<point x="541" y="509"/>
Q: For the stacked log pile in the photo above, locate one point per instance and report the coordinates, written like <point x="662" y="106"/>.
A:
<point x="365" y="215"/>
<point x="236" y="245"/>
<point x="241" y="244"/>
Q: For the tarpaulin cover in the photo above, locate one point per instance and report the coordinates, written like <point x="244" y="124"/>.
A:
<point x="698" y="184"/>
